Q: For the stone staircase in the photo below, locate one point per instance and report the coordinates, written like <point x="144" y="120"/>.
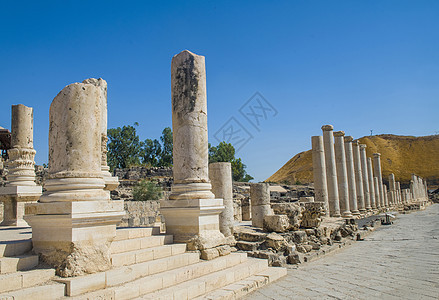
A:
<point x="146" y="265"/>
<point x="18" y="277"/>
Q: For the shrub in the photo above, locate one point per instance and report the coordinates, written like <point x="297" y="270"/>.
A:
<point x="147" y="190"/>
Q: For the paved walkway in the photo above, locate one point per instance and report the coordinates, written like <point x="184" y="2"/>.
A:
<point x="400" y="261"/>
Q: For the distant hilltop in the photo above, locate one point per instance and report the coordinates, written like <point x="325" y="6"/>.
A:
<point x="400" y="155"/>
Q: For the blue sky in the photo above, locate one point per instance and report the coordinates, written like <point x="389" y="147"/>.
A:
<point x="358" y="65"/>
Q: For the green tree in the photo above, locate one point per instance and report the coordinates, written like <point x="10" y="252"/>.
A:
<point x="151" y="152"/>
<point x="123" y="147"/>
<point x="147" y="190"/>
<point x="225" y="152"/>
<point x="167" y="147"/>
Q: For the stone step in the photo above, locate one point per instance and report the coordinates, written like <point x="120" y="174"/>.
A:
<point x="138" y="256"/>
<point x="126" y="233"/>
<point x="140" y="243"/>
<point x="51" y="290"/>
<point x="13" y="248"/>
<point x="243" y="287"/>
<point x="18" y="263"/>
<point x="208" y="283"/>
<point x="122" y="275"/>
<point x="20" y="280"/>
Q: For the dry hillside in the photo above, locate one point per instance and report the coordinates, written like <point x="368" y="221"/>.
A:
<point x="401" y="155"/>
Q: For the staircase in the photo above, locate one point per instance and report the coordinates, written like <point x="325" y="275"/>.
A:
<point x="146" y="265"/>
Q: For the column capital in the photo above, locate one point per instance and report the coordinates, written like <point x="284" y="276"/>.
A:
<point x="348" y="139"/>
<point x="327" y="127"/>
<point x="376" y="155"/>
<point x="338" y="133"/>
<point x="363" y="146"/>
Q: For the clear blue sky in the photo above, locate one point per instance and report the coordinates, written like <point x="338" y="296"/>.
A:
<point x="358" y="65"/>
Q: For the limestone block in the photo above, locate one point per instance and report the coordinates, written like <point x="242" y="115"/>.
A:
<point x="209" y="254"/>
<point x="258" y="214"/>
<point x="306" y="199"/>
<point x="276" y="242"/>
<point x="276" y="223"/>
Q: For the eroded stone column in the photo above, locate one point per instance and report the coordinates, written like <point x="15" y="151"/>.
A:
<point x="377" y="192"/>
<point x="378" y="174"/>
<point x="358" y="177"/>
<point x="192" y="212"/>
<point x="364" y="172"/>
<point x="260" y="203"/>
<point x="319" y="172"/>
<point x="75" y="222"/>
<point x="386" y="198"/>
<point x="20" y="186"/>
<point x="392" y="189"/>
<point x="220" y="174"/>
<point x="342" y="174"/>
<point x="371" y="183"/>
<point x="351" y="175"/>
<point x="398" y="192"/>
<point x="331" y="171"/>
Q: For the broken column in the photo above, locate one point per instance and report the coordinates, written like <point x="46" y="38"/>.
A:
<point x="342" y="174"/>
<point x="260" y="203"/>
<point x="191" y="212"/>
<point x="364" y="172"/>
<point x="20" y="186"/>
<point x="331" y="171"/>
<point x="351" y="175"/>
<point x="111" y="182"/>
<point x="371" y="183"/>
<point x="220" y="175"/>
<point x="358" y="177"/>
<point x="392" y="189"/>
<point x="75" y="222"/>
<point x="378" y="175"/>
<point x="319" y="172"/>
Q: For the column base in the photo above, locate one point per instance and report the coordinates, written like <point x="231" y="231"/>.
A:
<point x="14" y="199"/>
<point x="347" y="214"/>
<point x="355" y="212"/>
<point x="74" y="237"/>
<point x="111" y="182"/>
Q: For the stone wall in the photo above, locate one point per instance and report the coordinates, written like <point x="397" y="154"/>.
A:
<point x="141" y="213"/>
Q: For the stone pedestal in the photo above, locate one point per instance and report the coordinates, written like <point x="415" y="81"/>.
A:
<point x="364" y="172"/>
<point x="220" y="175"/>
<point x="371" y="184"/>
<point x="20" y="186"/>
<point x="331" y="171"/>
<point x="351" y="175"/>
<point x="319" y="172"/>
<point x="75" y="222"/>
<point x="359" y="177"/>
<point x="378" y="175"/>
<point x="342" y="174"/>
<point x="260" y="202"/>
<point x="192" y="212"/>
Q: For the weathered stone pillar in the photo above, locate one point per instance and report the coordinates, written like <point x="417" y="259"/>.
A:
<point x="364" y="172"/>
<point x="412" y="190"/>
<point x="75" y="222"/>
<point x="392" y="189"/>
<point x="378" y="174"/>
<point x="358" y="177"/>
<point x="342" y="174"/>
<point x="376" y="186"/>
<point x="398" y="192"/>
<point x="111" y="182"/>
<point x="20" y="186"/>
<point x="351" y="175"/>
<point x="371" y="183"/>
<point x="220" y="174"/>
<point x="331" y="171"/>
<point x="386" y="198"/>
<point x="192" y="212"/>
<point x="260" y="201"/>
<point x="246" y="209"/>
<point x="319" y="172"/>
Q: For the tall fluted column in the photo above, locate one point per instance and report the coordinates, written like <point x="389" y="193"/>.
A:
<point x="342" y="174"/>
<point x="20" y="186"/>
<point x="371" y="183"/>
<point x="192" y="212"/>
<point x="331" y="171"/>
<point x="358" y="177"/>
<point x="319" y="172"/>
<point x="364" y="172"/>
<point x="378" y="174"/>
<point x="351" y="175"/>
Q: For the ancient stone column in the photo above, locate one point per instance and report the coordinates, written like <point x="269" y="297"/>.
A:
<point x="20" y="186"/>
<point x="351" y="175"/>
<point x="319" y="172"/>
<point x="392" y="189"/>
<point x="192" y="212"/>
<point x="260" y="202"/>
<point x="111" y="182"/>
<point x="376" y="187"/>
<point x="75" y="222"/>
<point x="331" y="171"/>
<point x="412" y="190"/>
<point x="220" y="174"/>
<point x="358" y="177"/>
<point x="386" y="198"/>
<point x="364" y="172"/>
<point x="371" y="183"/>
<point x="378" y="174"/>
<point x="342" y="174"/>
<point x="398" y="192"/>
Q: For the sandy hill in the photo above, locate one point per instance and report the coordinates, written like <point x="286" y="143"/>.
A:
<point x="401" y="155"/>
